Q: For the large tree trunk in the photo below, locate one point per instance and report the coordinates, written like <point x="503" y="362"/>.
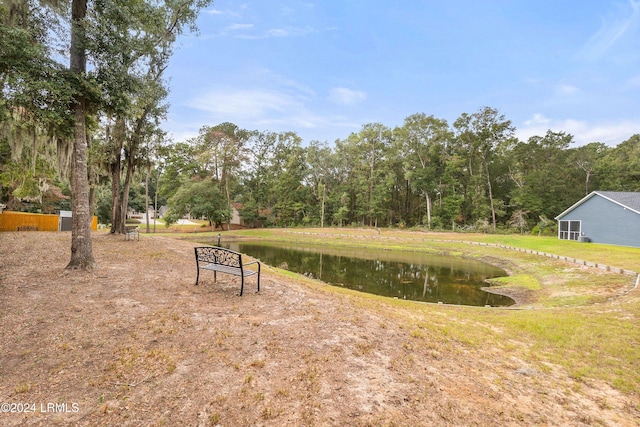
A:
<point x="146" y="198"/>
<point x="92" y="181"/>
<point x="493" y="210"/>
<point x="115" y="168"/>
<point x="116" y="224"/>
<point x="81" y="247"/>
<point x="428" y="199"/>
<point x="130" y="159"/>
<point x="322" y="214"/>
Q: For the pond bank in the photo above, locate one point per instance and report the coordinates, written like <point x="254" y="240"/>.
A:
<point x="136" y="343"/>
<point x="529" y="285"/>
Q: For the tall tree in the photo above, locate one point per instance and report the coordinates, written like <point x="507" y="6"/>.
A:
<point x="132" y="48"/>
<point x="200" y="199"/>
<point x="81" y="245"/>
<point x="35" y="121"/>
<point x="375" y="141"/>
<point x="622" y="166"/>
<point x="366" y="173"/>
<point x="288" y="170"/>
<point x="35" y="80"/>
<point x="320" y="161"/>
<point x="224" y="150"/>
<point x="543" y="175"/>
<point x="588" y="158"/>
<point x="484" y="134"/>
<point x="421" y="141"/>
<point x="260" y="157"/>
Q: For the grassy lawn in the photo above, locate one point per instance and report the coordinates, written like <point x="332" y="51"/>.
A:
<point x="619" y="256"/>
<point x="577" y="317"/>
<point x="161" y="227"/>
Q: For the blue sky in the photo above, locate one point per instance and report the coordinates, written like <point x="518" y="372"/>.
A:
<point x="325" y="68"/>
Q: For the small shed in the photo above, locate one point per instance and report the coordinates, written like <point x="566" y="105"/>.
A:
<point x="65" y="222"/>
<point x="611" y="217"/>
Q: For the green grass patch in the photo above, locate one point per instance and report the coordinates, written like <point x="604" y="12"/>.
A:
<point x="526" y="281"/>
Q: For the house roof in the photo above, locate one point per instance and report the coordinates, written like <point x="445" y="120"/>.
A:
<point x="627" y="199"/>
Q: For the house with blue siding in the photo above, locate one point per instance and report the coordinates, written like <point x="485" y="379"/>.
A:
<point x="611" y="217"/>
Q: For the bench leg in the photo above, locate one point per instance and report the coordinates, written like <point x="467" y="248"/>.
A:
<point x="197" y="275"/>
<point x="241" y="285"/>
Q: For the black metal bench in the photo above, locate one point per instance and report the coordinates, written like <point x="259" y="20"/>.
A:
<point x="223" y="260"/>
<point x="131" y="232"/>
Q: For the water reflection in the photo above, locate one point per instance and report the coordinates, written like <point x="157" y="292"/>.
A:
<point x="408" y="275"/>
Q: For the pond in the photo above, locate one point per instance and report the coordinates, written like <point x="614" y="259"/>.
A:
<point x="400" y="274"/>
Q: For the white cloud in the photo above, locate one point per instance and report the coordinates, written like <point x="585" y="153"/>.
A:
<point x="235" y="27"/>
<point x="537" y="120"/>
<point x="244" y="103"/>
<point x="344" y="96"/>
<point x="610" y="132"/>
<point x="623" y="23"/>
<point x="277" y="32"/>
<point x="180" y="131"/>
<point x="280" y="108"/>
<point x="284" y="83"/>
<point x="219" y="12"/>
<point x="567" y="89"/>
<point x="257" y="108"/>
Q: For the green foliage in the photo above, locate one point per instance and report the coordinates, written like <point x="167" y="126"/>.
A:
<point x="375" y="180"/>
<point x="171" y="218"/>
<point x="137" y="198"/>
<point x="473" y="174"/>
<point x="30" y="79"/>
<point x="250" y="211"/>
<point x="200" y="199"/>
<point x="545" y="227"/>
<point x="619" y="168"/>
<point x="103" y="204"/>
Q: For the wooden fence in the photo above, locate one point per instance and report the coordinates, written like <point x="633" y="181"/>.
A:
<point x="23" y="221"/>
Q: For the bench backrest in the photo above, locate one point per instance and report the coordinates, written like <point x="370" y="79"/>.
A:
<point x="216" y="255"/>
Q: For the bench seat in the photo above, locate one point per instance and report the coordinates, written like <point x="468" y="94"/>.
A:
<point x="131" y="232"/>
<point x="226" y="261"/>
<point x="236" y="271"/>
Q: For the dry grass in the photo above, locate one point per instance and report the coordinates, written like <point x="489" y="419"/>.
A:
<point x="136" y="343"/>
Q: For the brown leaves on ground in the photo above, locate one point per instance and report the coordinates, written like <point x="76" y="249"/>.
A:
<point x="136" y="343"/>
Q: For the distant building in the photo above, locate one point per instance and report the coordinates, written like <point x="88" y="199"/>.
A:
<point x="611" y="217"/>
<point x="235" y="214"/>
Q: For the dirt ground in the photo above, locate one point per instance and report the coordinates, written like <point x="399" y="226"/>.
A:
<point x="135" y="343"/>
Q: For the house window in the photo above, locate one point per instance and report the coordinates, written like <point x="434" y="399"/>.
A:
<point x="569" y="230"/>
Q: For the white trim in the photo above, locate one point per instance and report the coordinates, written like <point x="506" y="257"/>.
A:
<point x="569" y="232"/>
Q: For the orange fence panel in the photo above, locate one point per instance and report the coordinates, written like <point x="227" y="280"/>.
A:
<point x="24" y="221"/>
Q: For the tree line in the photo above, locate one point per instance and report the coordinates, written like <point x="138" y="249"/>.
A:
<point x="69" y="69"/>
<point x="82" y="101"/>
<point x="471" y="174"/>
